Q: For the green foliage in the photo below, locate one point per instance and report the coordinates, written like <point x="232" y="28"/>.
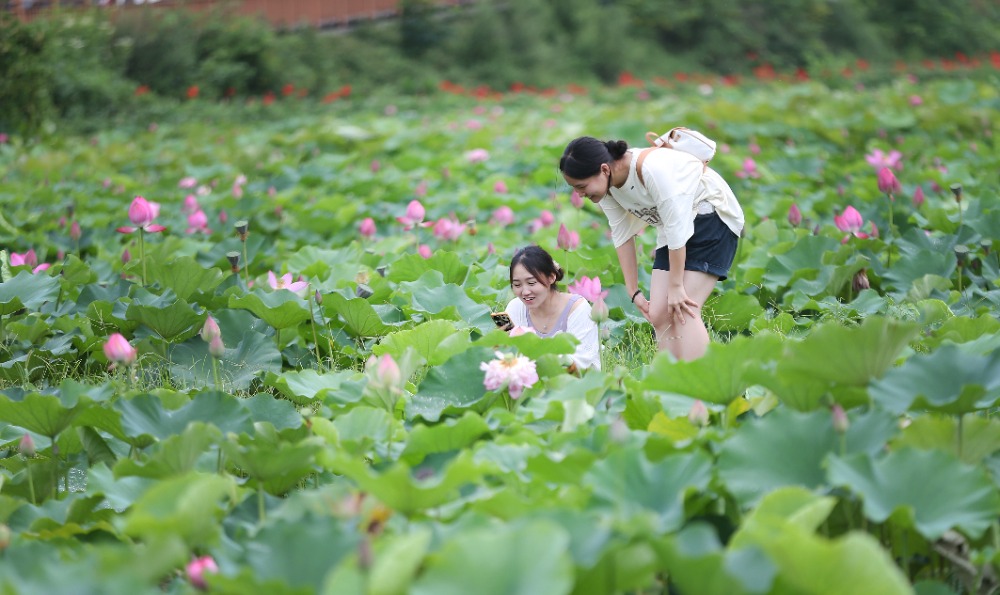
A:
<point x="24" y="77"/>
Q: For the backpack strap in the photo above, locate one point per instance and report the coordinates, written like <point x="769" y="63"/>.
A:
<point x="638" y="164"/>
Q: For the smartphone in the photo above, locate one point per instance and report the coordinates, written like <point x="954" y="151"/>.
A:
<point x="501" y="319"/>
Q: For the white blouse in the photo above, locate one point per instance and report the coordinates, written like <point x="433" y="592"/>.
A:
<point x="579" y="324"/>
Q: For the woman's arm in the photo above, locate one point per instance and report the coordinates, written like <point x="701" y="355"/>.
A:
<point x="630" y="270"/>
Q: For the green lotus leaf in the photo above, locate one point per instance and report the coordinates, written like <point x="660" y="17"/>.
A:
<point x="316" y="262"/>
<point x="977" y="438"/>
<point x="397" y="487"/>
<point x="43" y="414"/>
<point x="917" y="265"/>
<point x="185" y="276"/>
<point x="483" y="560"/>
<point x="170" y="318"/>
<point x="270" y="461"/>
<point x="95" y="446"/>
<point x="835" y="359"/>
<point x="27" y="291"/>
<point x="802" y="260"/>
<point x="447" y="265"/>
<point x="280" y="309"/>
<point x="280" y="413"/>
<point x="627" y="482"/>
<point x="962" y="329"/>
<point x="364" y="427"/>
<point x="949" y="380"/>
<point x="191" y="364"/>
<point x="444" y="437"/>
<point x="562" y="468"/>
<point x="119" y="492"/>
<point x="960" y="497"/>
<point x="306" y="386"/>
<point x="787" y="448"/>
<point x="435" y="340"/>
<point x="397" y="561"/>
<point x="146" y="415"/>
<point x="450" y="388"/>
<point x="297" y="555"/>
<point x="731" y="311"/>
<point x="188" y="506"/>
<point x="433" y="295"/>
<point x="175" y="455"/>
<point x="358" y="314"/>
<point x="698" y="563"/>
<point x="721" y="375"/>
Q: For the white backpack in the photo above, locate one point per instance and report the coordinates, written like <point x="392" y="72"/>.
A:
<point x="679" y="139"/>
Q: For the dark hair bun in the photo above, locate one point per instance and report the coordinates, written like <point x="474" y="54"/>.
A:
<point x="616" y="148"/>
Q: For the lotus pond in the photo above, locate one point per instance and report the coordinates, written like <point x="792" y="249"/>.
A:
<point x="840" y="435"/>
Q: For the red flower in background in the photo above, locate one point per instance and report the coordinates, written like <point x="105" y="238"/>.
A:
<point x="192" y="92"/>
<point x="268" y="98"/>
<point x="288" y="89"/>
<point x="141" y="90"/>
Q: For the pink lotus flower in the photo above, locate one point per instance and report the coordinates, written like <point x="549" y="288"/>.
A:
<point x="477" y="155"/>
<point x="118" y="350"/>
<point x="599" y="311"/>
<point x="749" y="169"/>
<point x="198" y="568"/>
<point x="566" y="239"/>
<point x="210" y="329"/>
<point x="589" y="288"/>
<point x="3" y="138"/>
<point x="449" y="229"/>
<point x="424" y="250"/>
<point x="384" y="371"/>
<point x="576" y="200"/>
<point x="285" y="282"/>
<point x="187" y="182"/>
<point x="198" y="222"/>
<point x="421" y="189"/>
<point x="916" y="100"/>
<point x="503" y="216"/>
<point x="878" y="159"/>
<point x="223" y="217"/>
<point x="500" y="187"/>
<point x="473" y="124"/>
<point x="547" y="218"/>
<point x="515" y="373"/>
<point x="414" y="215"/>
<point x="918" y="197"/>
<point x="216" y="348"/>
<point x="887" y="182"/>
<point x="698" y="415"/>
<point x="517" y="331"/>
<point x="142" y="213"/>
<point x="367" y="228"/>
<point x="850" y="221"/>
<point x="27" y="446"/>
<point x="839" y="418"/>
<point x="754" y="149"/>
<point x="794" y="215"/>
<point x="28" y="259"/>
<point x="74" y="231"/>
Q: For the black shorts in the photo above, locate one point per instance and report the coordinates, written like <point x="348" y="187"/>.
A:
<point x="710" y="250"/>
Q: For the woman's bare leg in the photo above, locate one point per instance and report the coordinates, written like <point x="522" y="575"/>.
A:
<point x="686" y="341"/>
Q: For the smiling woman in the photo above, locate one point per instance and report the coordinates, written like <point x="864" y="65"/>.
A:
<point x="541" y="307"/>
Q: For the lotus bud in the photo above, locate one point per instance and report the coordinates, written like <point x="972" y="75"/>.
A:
<point x="198" y="568"/>
<point x="860" y="281"/>
<point x="599" y="311"/>
<point x="698" y="415"/>
<point x="956" y="189"/>
<point x="887" y="182"/>
<point x="918" y="197"/>
<point x="27" y="446"/>
<point x="794" y="215"/>
<point x="118" y="350"/>
<point x="126" y="256"/>
<point x="74" y="231"/>
<point x="363" y="291"/>
<point x="210" y="330"/>
<point x="318" y="297"/>
<point x="840" y="421"/>
<point x="216" y="348"/>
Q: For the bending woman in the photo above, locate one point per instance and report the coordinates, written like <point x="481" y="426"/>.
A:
<point x="543" y="308"/>
<point x="697" y="219"/>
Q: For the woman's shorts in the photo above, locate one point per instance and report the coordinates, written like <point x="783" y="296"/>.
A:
<point x="710" y="250"/>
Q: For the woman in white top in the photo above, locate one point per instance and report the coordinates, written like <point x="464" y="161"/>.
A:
<point x="698" y="222"/>
<point x="541" y="307"/>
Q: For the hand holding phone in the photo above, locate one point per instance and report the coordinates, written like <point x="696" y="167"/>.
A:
<point x="502" y="320"/>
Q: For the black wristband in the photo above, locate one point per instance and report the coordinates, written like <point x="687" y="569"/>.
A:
<point x="637" y="292"/>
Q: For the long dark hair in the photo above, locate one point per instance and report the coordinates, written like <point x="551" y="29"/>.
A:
<point x="584" y="156"/>
<point x="539" y="263"/>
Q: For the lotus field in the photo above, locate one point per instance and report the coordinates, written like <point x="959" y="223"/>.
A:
<point x="254" y="354"/>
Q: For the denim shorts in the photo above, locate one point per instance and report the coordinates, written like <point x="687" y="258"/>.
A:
<point x="710" y="250"/>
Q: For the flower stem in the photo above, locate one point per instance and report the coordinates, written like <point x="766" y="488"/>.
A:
<point x="312" y="322"/>
<point x="215" y="372"/>
<point x="246" y="265"/>
<point x="888" y="259"/>
<point x="31" y="480"/>
<point x="142" y="255"/>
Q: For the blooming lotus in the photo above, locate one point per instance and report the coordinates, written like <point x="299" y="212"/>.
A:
<point x="589" y="288"/>
<point x="850" y="221"/>
<point x="190" y="204"/>
<point x="448" y="229"/>
<point x="142" y="213"/>
<point x="414" y="215"/>
<point x="198" y="222"/>
<point x="118" y="350"/>
<point x="515" y="373"/>
<point x="566" y="239"/>
<point x="198" y="568"/>
<point x="500" y="187"/>
<point x="285" y="282"/>
<point x="749" y="169"/>
<point x="503" y="216"/>
<point x="367" y="228"/>
<point x="187" y="182"/>
<point x="879" y="159"/>
<point x="477" y="155"/>
<point x="28" y="259"/>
